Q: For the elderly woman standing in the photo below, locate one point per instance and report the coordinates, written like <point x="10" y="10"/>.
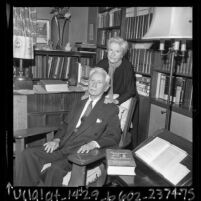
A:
<point x="123" y="81"/>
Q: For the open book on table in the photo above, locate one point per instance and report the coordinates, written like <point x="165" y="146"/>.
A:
<point x="165" y="158"/>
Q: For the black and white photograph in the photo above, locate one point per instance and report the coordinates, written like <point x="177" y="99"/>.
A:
<point x="43" y="32"/>
<point x="103" y="97"/>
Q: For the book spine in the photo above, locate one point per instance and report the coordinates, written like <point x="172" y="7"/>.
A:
<point x="182" y="92"/>
<point x="158" y="85"/>
<point x="188" y="93"/>
<point x="162" y="87"/>
<point x="61" y="68"/>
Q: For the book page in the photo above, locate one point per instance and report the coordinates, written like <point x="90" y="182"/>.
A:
<point x="176" y="173"/>
<point x="57" y="87"/>
<point x="154" y="148"/>
<point x="168" y="158"/>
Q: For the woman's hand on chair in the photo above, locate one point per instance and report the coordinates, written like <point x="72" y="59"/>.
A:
<point x="109" y="100"/>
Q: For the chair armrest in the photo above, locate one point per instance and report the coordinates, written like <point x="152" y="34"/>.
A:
<point x="84" y="159"/>
<point x="28" y="132"/>
<point x="21" y="136"/>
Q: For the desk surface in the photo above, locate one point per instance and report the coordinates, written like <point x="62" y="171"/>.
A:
<point x="38" y="89"/>
<point x="145" y="176"/>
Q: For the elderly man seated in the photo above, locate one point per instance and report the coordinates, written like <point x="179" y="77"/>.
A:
<point x="91" y="124"/>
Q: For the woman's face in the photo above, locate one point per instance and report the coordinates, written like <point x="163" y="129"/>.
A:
<point x="115" y="52"/>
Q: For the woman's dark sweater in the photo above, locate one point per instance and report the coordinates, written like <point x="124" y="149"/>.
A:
<point x="124" y="80"/>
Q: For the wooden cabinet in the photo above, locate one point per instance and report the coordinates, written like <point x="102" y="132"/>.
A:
<point x="144" y="110"/>
<point x="180" y="103"/>
<point x="180" y="124"/>
<point x="157" y="118"/>
<point x="38" y="110"/>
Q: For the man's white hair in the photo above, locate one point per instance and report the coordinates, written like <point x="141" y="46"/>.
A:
<point x="101" y="71"/>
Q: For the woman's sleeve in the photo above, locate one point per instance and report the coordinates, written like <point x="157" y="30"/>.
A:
<point x="130" y="84"/>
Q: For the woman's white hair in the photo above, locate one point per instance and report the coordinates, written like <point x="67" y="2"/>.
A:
<point x="123" y="43"/>
<point x="102" y="71"/>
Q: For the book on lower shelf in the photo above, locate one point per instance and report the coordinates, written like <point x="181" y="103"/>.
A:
<point x="165" y="158"/>
<point x="54" y="85"/>
<point x="120" y="162"/>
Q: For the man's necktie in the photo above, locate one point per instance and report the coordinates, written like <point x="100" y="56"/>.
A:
<point x="87" y="111"/>
<point x="84" y="116"/>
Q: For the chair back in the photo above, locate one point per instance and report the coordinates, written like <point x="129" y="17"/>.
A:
<point x="126" y="110"/>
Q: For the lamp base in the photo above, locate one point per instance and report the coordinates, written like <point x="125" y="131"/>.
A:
<point x="21" y="82"/>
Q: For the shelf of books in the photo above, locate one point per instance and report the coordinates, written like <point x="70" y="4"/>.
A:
<point x="137" y="21"/>
<point x="105" y="34"/>
<point x="56" y="64"/>
<point x="109" y="18"/>
<point x="182" y="91"/>
<point x="109" y="24"/>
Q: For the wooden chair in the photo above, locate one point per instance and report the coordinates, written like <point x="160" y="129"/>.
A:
<point x="81" y="162"/>
<point x="29" y="136"/>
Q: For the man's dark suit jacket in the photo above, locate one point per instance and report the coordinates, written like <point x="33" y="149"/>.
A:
<point x="102" y="125"/>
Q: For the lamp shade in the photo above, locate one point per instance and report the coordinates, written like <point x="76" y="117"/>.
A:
<point x="170" y="23"/>
<point x="24" y="32"/>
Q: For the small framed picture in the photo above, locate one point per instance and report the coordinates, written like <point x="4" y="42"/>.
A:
<point x="43" y="31"/>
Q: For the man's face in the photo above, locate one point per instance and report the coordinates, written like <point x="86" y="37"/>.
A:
<point x="97" y="84"/>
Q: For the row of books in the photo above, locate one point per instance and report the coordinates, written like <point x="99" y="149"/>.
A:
<point x="181" y="93"/>
<point x="141" y="60"/>
<point x="184" y="67"/>
<point x="137" y="22"/>
<point x="143" y="85"/>
<point x="103" y="9"/>
<point x="109" y="19"/>
<point x="57" y="67"/>
<point x="83" y="74"/>
<point x="104" y="35"/>
<point x="100" y="54"/>
<point x="89" y="47"/>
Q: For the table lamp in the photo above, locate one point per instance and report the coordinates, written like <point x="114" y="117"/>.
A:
<point x="24" y="36"/>
<point x="173" y="24"/>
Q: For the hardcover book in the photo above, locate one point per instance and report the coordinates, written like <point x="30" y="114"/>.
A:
<point x="165" y="158"/>
<point x="120" y="162"/>
<point x="54" y="85"/>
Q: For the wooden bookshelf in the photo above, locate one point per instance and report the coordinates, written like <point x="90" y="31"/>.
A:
<point x="148" y="64"/>
<point x="140" y="57"/>
<point x="135" y="23"/>
<point x="58" y="64"/>
<point x="182" y="82"/>
<point x="109" y="24"/>
<point x="41" y="110"/>
<point x="181" y="94"/>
